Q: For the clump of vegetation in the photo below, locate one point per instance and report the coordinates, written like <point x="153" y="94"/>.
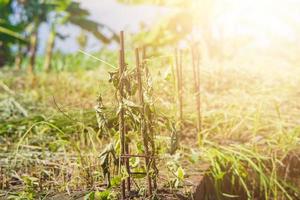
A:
<point x="66" y="149"/>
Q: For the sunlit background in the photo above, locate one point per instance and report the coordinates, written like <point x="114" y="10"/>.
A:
<point x="116" y="15"/>
<point x="264" y="22"/>
<point x="254" y="32"/>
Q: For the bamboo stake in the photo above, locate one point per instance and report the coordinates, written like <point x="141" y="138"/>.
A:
<point x="1" y="178"/>
<point x="196" y="75"/>
<point x="144" y="55"/>
<point x="143" y="127"/>
<point x="126" y="145"/>
<point x="178" y="66"/>
<point x="144" y="58"/>
<point x="128" y="166"/>
<point x="121" y="113"/>
<point x="181" y="86"/>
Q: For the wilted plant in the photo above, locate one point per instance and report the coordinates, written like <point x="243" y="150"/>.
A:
<point x="133" y="119"/>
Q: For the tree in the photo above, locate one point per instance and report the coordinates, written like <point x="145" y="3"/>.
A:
<point x="9" y="32"/>
<point x="56" y="13"/>
<point x="33" y="14"/>
<point x="70" y="12"/>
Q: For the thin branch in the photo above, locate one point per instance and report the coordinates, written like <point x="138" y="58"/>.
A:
<point x="103" y="61"/>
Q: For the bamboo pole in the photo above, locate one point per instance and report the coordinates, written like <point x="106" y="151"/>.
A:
<point x="1" y="178"/>
<point x="143" y="121"/>
<point x="181" y="86"/>
<point x="144" y="58"/>
<point x="196" y="75"/>
<point x="178" y="66"/>
<point x="121" y="113"/>
<point x="126" y="145"/>
<point x="128" y="166"/>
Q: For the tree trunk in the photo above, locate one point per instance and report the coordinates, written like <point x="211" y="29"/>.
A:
<point x="18" y="59"/>
<point x="32" y="51"/>
<point x="49" y="51"/>
<point x="2" y="55"/>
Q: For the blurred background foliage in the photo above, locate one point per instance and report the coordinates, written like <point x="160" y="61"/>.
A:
<point x="21" y="20"/>
<point x="213" y="24"/>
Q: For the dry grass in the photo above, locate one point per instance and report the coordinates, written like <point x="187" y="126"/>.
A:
<point x="250" y="122"/>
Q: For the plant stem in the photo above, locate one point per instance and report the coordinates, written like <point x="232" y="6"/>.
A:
<point x="149" y="124"/>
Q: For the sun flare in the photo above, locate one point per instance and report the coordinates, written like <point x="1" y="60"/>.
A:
<point x="262" y="20"/>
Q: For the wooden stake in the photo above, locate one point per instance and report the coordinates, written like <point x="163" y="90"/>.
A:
<point x="126" y="145"/>
<point x="1" y="178"/>
<point x="128" y="166"/>
<point x="181" y="86"/>
<point x="196" y="75"/>
<point x="143" y="121"/>
<point x="121" y="113"/>
<point x="178" y="66"/>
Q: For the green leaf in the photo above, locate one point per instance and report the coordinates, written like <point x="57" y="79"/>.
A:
<point x="90" y="196"/>
<point x="11" y="33"/>
<point x="141" y="173"/>
<point x="116" y="181"/>
<point x="104" y="195"/>
<point x="180" y="173"/>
